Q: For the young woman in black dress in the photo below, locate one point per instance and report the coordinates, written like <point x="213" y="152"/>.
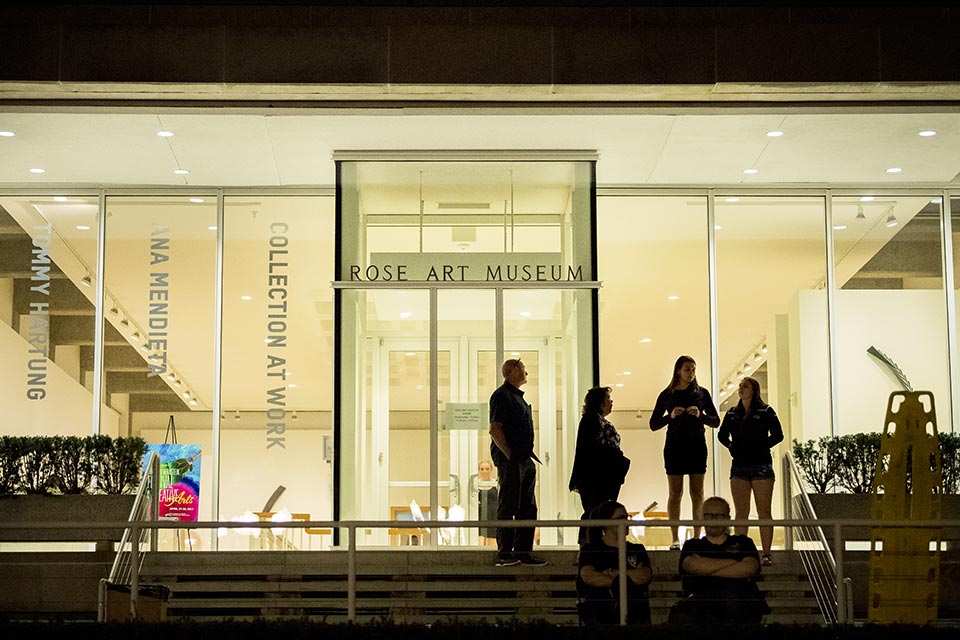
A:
<point x="685" y="408"/>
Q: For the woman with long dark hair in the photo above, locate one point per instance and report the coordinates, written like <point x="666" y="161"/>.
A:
<point x="749" y="431"/>
<point x="685" y="408"/>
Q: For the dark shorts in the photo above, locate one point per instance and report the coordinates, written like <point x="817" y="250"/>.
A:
<point x="753" y="472"/>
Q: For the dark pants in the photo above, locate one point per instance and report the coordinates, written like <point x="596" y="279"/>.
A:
<point x="592" y="497"/>
<point x="516" y="501"/>
<point x="727" y="606"/>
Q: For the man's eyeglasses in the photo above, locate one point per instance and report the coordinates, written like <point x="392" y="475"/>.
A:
<point x="716" y="516"/>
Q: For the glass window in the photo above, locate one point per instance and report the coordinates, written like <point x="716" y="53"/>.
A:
<point x="48" y="260"/>
<point x="890" y="314"/>
<point x="654" y="307"/>
<point x="276" y="384"/>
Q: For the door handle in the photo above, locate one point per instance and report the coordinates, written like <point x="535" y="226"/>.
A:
<point x="454" y="489"/>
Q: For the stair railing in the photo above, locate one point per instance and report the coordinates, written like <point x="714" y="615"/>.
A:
<point x="811" y="543"/>
<point x="136" y="540"/>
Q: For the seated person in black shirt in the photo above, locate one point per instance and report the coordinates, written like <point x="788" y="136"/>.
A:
<point x="598" y="579"/>
<point x="718" y="574"/>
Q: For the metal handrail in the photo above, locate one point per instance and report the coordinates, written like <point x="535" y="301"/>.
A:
<point x="818" y="562"/>
<point x="137" y="527"/>
<point x="144" y="510"/>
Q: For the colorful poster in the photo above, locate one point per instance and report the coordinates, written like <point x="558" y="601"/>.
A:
<point x="179" y="480"/>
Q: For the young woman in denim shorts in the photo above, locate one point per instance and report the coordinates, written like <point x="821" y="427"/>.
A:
<point x="749" y="431"/>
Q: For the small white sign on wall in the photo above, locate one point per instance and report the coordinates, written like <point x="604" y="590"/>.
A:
<point x="466" y="416"/>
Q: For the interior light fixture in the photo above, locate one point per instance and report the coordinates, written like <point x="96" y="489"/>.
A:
<point x="114" y="310"/>
<point x="893" y="169"/>
<point x="936" y="200"/>
<point x="246" y="298"/>
<point x="757" y="357"/>
<point x="619" y="384"/>
<point x="717" y="227"/>
<point x="927" y="133"/>
<point x="145" y="347"/>
<point x="673" y="297"/>
<point x="731" y="199"/>
<point x="747" y="367"/>
<point x="176" y="383"/>
<point x="628" y="373"/>
<point x="165" y="134"/>
<point x="405" y="314"/>
<point x="185" y="394"/>
<point x="891" y="220"/>
<point x="515" y="353"/>
<point x="860" y="215"/>
<point x="730" y="385"/>
<point x="38" y="170"/>
<point x="7" y="134"/>
<point x="124" y="322"/>
<point x="59" y="198"/>
<point x="867" y="199"/>
<point x="645" y="340"/>
<point x="410" y="354"/>
<point x="212" y="227"/>
<point x="193" y="403"/>
<point x="774" y="134"/>
<point x="236" y="415"/>
<point x="750" y="172"/>
<point x="763" y="349"/>
<point x="171" y="376"/>
<point x="181" y="172"/>
<point x="525" y="314"/>
<point x="86" y="280"/>
<point x="83" y="227"/>
<point x="196" y="200"/>
<point x="741" y="376"/>
<point x="292" y="385"/>
<point x="294" y="415"/>
<point x="839" y="227"/>
<point x="135" y="336"/>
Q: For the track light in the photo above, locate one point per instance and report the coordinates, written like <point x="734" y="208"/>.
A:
<point x="236" y="415"/>
<point x="135" y="336"/>
<point x="757" y="357"/>
<point x="891" y="220"/>
<point x="124" y="323"/>
<point x="860" y="215"/>
<point x="145" y="347"/>
<point x="193" y="403"/>
<point x="86" y="280"/>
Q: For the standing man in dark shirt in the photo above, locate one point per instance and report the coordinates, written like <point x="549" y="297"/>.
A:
<point x="511" y="448"/>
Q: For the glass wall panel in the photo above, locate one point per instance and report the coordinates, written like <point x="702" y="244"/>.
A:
<point x="466" y="331"/>
<point x="890" y="312"/>
<point x="654" y="307"/>
<point x="768" y="307"/>
<point x="277" y="365"/>
<point x="48" y="261"/>
<point x="955" y="239"/>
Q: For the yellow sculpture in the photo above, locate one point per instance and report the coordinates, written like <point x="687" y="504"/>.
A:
<point x="905" y="561"/>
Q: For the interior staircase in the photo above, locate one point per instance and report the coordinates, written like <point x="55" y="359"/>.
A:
<point x="422" y="586"/>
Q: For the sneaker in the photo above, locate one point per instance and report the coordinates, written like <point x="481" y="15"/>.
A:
<point x="506" y="560"/>
<point x="531" y="560"/>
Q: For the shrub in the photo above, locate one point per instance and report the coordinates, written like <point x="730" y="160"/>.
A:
<point x="848" y="463"/>
<point x="67" y="464"/>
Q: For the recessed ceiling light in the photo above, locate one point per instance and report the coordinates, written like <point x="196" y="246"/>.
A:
<point x="212" y="227"/>
<point x="525" y="314"/>
<point x="196" y="200"/>
<point x="181" y="172"/>
<point x="38" y="170"/>
<point x="165" y="134"/>
<point x="927" y="133"/>
<point x="405" y="314"/>
<point x="515" y="353"/>
<point x="7" y="134"/>
<point x="645" y="340"/>
<point x="673" y="297"/>
<point x="717" y="227"/>
<point x="628" y="373"/>
<point x="867" y="199"/>
<point x="410" y="354"/>
<point x="751" y="171"/>
<point x="839" y="227"/>
<point x="292" y="385"/>
<point x="83" y="227"/>
<point x="59" y="198"/>
<point x="894" y="170"/>
<point x="731" y="199"/>
<point x="246" y="298"/>
<point x="619" y="384"/>
<point x="774" y="134"/>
